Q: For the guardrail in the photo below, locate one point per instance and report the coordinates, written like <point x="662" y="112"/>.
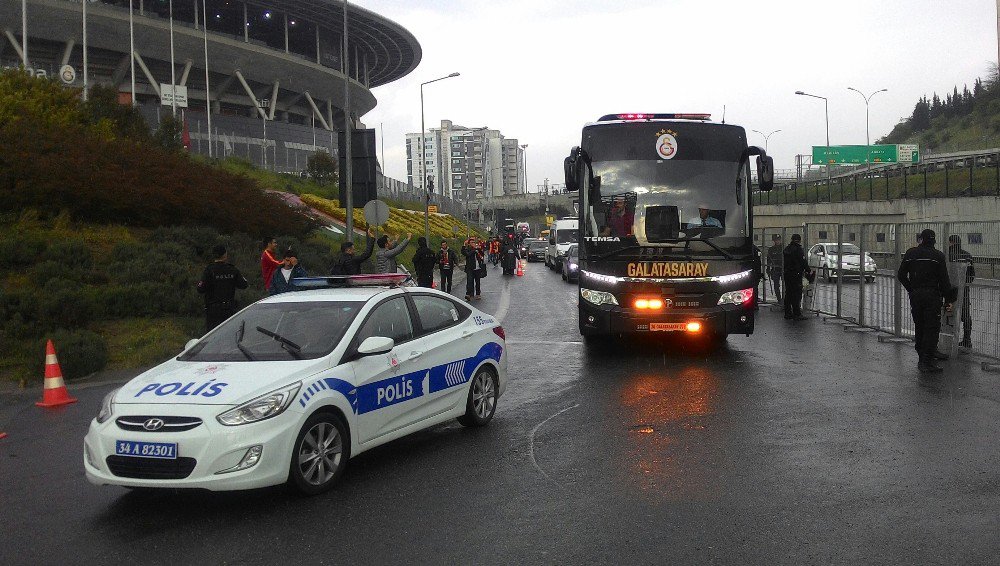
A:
<point x="879" y="302"/>
<point x="971" y="173"/>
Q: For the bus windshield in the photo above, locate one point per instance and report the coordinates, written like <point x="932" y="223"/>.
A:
<point x="668" y="185"/>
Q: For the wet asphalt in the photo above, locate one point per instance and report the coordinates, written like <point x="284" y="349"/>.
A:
<point x="802" y="444"/>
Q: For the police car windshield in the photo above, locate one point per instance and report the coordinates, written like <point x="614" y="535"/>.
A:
<point x="315" y="327"/>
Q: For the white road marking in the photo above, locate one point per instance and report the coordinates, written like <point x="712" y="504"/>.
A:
<point x="504" y="305"/>
<point x="531" y="445"/>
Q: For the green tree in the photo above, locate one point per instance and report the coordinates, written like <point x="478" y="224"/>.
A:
<point x="103" y="110"/>
<point x="168" y="135"/>
<point x="322" y="168"/>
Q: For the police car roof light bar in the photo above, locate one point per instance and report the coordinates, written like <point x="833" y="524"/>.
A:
<point x="340" y="281"/>
<point x="645" y="116"/>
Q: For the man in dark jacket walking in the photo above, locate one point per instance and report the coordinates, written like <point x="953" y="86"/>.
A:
<point x="956" y="253"/>
<point x="219" y="283"/>
<point x="424" y="261"/>
<point x="474" y="262"/>
<point x="446" y="260"/>
<point x="794" y="267"/>
<point x="924" y="274"/>
<point x="350" y="264"/>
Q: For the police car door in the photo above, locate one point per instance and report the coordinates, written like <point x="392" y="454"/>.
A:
<point x="388" y="384"/>
<point x="449" y="344"/>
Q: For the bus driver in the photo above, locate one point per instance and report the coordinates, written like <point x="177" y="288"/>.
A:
<point x="703" y="219"/>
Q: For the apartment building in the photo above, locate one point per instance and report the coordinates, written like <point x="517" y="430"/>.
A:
<point x="467" y="163"/>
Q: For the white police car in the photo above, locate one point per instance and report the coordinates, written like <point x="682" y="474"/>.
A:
<point x="293" y="386"/>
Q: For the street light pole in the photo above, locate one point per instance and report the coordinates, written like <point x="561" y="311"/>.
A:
<point x="766" y="137"/>
<point x="826" y="108"/>
<point x="524" y="156"/>
<point x="423" y="157"/>
<point x="868" y="143"/>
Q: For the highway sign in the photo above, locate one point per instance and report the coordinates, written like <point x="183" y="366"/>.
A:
<point x="432" y="208"/>
<point x="861" y="154"/>
<point x="376" y="212"/>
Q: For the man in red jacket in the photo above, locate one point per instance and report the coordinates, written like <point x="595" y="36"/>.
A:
<point x="269" y="263"/>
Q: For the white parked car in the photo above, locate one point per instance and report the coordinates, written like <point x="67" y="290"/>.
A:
<point x="823" y="258"/>
<point x="293" y="386"/>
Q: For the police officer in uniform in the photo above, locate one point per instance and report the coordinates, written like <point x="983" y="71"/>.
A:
<point x="219" y="283"/>
<point x="794" y="266"/>
<point x="924" y="274"/>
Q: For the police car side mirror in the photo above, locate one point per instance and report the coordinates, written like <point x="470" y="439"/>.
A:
<point x="376" y="345"/>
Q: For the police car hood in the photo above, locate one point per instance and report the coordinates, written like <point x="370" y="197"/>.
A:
<point x="213" y="383"/>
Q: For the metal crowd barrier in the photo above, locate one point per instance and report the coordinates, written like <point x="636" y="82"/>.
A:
<point x="877" y="301"/>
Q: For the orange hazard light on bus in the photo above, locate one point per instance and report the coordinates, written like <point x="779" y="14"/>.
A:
<point x="693" y="326"/>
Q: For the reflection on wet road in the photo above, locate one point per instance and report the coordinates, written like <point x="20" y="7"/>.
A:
<point x="800" y="444"/>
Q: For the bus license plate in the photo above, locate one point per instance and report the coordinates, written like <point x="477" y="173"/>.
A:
<point x="163" y="450"/>
<point x="667" y="326"/>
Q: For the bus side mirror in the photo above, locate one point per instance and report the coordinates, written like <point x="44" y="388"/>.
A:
<point x="570" y="170"/>
<point x="765" y="172"/>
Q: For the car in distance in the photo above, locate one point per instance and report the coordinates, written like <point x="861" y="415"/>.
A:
<point x="822" y="257"/>
<point x="536" y="249"/>
<point x="571" y="264"/>
<point x="289" y="389"/>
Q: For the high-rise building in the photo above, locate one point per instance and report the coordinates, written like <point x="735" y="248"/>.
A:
<point x="466" y="163"/>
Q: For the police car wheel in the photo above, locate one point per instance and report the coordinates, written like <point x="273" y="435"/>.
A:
<point x="482" y="402"/>
<point x="320" y="455"/>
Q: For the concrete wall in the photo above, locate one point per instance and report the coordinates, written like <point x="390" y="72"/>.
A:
<point x="957" y="209"/>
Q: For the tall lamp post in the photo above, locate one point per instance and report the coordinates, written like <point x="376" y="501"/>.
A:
<point x="766" y="137"/>
<point x="826" y="107"/>
<point x="868" y="143"/>
<point x="524" y="156"/>
<point x="423" y="157"/>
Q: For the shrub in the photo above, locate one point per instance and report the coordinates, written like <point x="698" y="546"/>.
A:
<point x="80" y="353"/>
<point x="63" y="303"/>
<point x="71" y="254"/>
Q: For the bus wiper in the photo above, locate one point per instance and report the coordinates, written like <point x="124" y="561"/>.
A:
<point x="618" y="251"/>
<point x="717" y="248"/>
<point x="687" y="245"/>
<point x="289" y="346"/>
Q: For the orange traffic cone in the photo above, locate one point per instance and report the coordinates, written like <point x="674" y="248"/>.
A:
<point x="55" y="393"/>
<point x="520" y="268"/>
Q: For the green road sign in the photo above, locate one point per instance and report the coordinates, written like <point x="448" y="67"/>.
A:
<point x="861" y="154"/>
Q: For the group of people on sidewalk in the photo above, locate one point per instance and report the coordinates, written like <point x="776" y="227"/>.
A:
<point x="923" y="272"/>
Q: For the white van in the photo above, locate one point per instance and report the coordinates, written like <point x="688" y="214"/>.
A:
<point x="562" y="234"/>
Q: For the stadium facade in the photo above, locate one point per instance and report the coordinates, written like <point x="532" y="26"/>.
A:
<point x="275" y="81"/>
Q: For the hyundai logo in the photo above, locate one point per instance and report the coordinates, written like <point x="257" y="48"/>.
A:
<point x="153" y="424"/>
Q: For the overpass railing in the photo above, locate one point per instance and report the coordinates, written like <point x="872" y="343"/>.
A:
<point x="966" y="174"/>
<point x="877" y="301"/>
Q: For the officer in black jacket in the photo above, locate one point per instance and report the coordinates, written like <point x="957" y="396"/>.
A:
<point x="956" y="253"/>
<point x="924" y="274"/>
<point x="219" y="283"/>
<point x="424" y="260"/>
<point x="794" y="266"/>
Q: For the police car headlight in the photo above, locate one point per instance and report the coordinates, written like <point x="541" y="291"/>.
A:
<point x="598" y="297"/>
<point x="572" y="266"/>
<point x="107" y="407"/>
<point x="263" y="407"/>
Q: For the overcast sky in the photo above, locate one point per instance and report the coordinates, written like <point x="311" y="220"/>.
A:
<point x="539" y="70"/>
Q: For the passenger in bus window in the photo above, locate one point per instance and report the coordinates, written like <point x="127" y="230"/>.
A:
<point x="704" y="219"/>
<point x="619" y="219"/>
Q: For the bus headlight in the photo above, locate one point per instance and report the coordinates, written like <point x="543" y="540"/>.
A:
<point x="598" y="297"/>
<point x="740" y="297"/>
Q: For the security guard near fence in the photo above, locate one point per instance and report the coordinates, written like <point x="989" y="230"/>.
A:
<point x="924" y="274"/>
<point x="219" y="283"/>
<point x="794" y="268"/>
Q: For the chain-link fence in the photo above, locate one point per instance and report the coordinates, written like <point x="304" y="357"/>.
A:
<point x="859" y="285"/>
